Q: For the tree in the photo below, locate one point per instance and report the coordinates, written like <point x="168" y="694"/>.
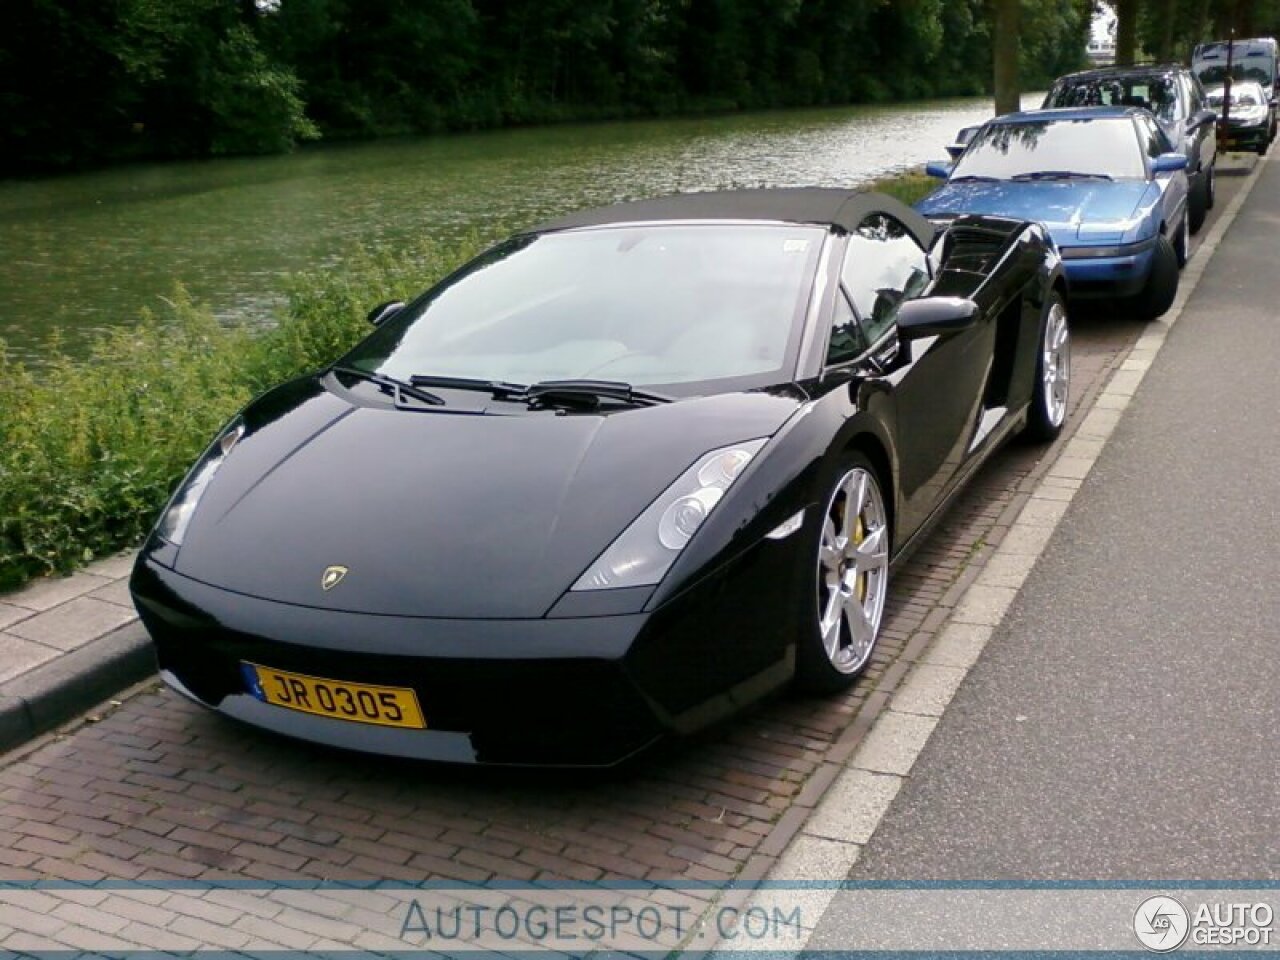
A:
<point x="1126" y="30"/>
<point x="1008" y="92"/>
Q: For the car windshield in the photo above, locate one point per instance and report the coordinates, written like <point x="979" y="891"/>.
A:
<point x="1248" y="62"/>
<point x="1156" y="94"/>
<point x="669" y="305"/>
<point x="1098" y="146"/>
<point x="1243" y="96"/>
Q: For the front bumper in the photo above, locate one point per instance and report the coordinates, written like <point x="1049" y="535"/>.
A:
<point x="1242" y="137"/>
<point x="568" y="691"/>
<point x="1115" y="271"/>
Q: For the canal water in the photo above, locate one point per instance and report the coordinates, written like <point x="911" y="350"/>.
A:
<point x="85" y="252"/>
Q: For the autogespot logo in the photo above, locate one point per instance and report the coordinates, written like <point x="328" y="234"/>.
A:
<point x="1161" y="924"/>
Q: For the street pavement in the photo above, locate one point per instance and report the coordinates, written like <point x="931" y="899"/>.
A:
<point x="149" y="787"/>
<point x="1120" y="723"/>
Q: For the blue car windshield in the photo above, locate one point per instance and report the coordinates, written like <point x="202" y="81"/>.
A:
<point x="651" y="305"/>
<point x="1099" y="146"/>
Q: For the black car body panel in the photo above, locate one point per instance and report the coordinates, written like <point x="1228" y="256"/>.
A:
<point x="610" y="466"/>
<point x="462" y="529"/>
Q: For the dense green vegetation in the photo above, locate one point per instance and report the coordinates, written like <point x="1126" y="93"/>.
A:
<point x="85" y="83"/>
<point x="93" y="447"/>
<point x="1169" y="29"/>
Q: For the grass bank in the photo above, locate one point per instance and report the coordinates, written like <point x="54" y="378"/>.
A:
<point x="91" y="448"/>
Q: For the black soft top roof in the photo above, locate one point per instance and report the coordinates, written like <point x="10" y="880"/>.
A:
<point x="831" y="207"/>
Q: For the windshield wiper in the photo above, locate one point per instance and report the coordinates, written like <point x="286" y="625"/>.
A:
<point x="1060" y="175"/>
<point x="591" y="390"/>
<point x="397" y="388"/>
<point x="975" y="178"/>
<point x="500" y="389"/>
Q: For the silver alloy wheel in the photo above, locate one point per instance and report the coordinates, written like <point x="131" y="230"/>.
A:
<point x="853" y="570"/>
<point x="1056" y="364"/>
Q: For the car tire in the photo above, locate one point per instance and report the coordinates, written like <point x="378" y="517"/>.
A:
<point x="1200" y="201"/>
<point x="1161" y="287"/>
<point x="849" y="559"/>
<point x="1262" y="146"/>
<point x="1052" y="388"/>
<point x="1182" y="243"/>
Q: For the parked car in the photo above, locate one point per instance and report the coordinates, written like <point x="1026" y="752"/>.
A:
<point x="1254" y="59"/>
<point x="963" y="136"/>
<point x="619" y="476"/>
<point x="1104" y="180"/>
<point x="1251" y="121"/>
<point x="1176" y="98"/>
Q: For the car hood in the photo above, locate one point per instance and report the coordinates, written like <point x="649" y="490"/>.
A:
<point x="1075" y="211"/>
<point x="439" y="514"/>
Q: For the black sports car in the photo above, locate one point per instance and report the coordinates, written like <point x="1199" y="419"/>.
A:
<point x="619" y="476"/>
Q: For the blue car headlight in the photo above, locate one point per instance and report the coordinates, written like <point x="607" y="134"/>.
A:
<point x="642" y="553"/>
<point x="173" y="523"/>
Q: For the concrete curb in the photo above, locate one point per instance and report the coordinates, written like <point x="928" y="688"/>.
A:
<point x="828" y="843"/>
<point x="54" y="692"/>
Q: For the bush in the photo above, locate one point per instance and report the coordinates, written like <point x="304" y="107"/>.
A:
<point x="909" y="187"/>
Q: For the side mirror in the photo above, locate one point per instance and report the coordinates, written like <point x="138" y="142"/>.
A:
<point x="963" y="136"/>
<point x="1168" y="162"/>
<point x="938" y="168"/>
<point x="384" y="312"/>
<point x="935" y="316"/>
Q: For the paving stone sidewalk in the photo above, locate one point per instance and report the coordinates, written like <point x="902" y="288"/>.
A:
<point x="66" y="643"/>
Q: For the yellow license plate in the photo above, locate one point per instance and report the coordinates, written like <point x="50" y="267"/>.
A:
<point x="357" y="702"/>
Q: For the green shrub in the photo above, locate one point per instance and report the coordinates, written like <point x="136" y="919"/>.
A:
<point x="909" y="187"/>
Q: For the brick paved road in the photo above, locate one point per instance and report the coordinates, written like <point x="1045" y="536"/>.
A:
<point x="155" y="788"/>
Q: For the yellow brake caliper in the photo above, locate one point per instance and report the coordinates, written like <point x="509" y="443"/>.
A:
<point x="859" y="534"/>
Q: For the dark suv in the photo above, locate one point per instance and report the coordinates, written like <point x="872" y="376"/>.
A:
<point x="1174" y="95"/>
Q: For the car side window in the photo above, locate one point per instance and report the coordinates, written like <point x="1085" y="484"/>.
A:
<point x="1195" y="103"/>
<point x="847" y="341"/>
<point x="883" y="266"/>
<point x="1201" y="98"/>
<point x="1154" y="142"/>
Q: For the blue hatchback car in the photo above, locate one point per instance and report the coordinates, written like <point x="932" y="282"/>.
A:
<point x="1105" y="181"/>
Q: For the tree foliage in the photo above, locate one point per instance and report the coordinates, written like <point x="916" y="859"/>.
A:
<point x="83" y="82"/>
<point x="1168" y="30"/>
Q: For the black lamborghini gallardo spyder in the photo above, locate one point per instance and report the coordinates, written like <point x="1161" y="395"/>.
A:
<point x="619" y="476"/>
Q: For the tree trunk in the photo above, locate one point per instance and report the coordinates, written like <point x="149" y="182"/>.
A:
<point x="1007" y="27"/>
<point x="1224" y="19"/>
<point x="1126" y="31"/>
<point x="1169" y="17"/>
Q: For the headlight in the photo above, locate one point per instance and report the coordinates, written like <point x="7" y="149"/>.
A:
<point x="177" y="516"/>
<point x="644" y="552"/>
